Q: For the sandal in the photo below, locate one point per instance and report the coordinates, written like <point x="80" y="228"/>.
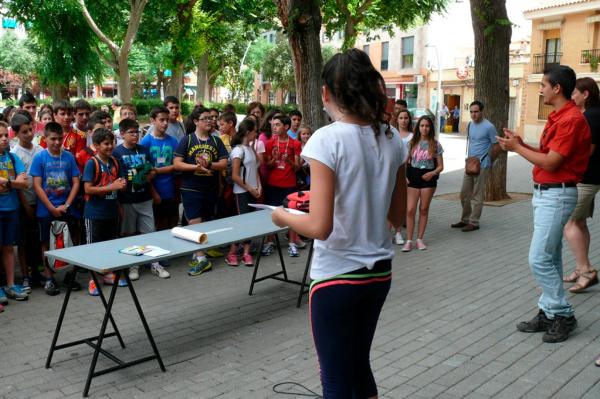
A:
<point x="589" y="279"/>
<point x="572" y="277"/>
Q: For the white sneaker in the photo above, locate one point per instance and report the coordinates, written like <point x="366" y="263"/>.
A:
<point x="300" y="244"/>
<point x="134" y="273"/>
<point x="398" y="239"/>
<point x="159" y="271"/>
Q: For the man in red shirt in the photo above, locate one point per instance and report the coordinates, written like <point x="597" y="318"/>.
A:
<point x="559" y="164"/>
<point x="283" y="160"/>
<point x="73" y="140"/>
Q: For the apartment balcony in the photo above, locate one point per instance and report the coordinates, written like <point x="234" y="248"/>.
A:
<point x="586" y="55"/>
<point x="546" y="60"/>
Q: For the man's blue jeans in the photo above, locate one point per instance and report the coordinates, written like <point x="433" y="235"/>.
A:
<point x="551" y="211"/>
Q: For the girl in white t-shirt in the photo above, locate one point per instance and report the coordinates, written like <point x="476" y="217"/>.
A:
<point x="357" y="170"/>
<point x="403" y="121"/>
<point x="246" y="182"/>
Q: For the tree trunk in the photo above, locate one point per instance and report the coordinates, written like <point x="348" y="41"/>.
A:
<point x="124" y="81"/>
<point x="211" y="87"/>
<point x="301" y="19"/>
<point x="175" y="85"/>
<point x="349" y="35"/>
<point x="202" y="78"/>
<point x="492" y="33"/>
<point x="120" y="54"/>
<point x="180" y="45"/>
<point x="160" y="76"/>
<point x="59" y="92"/>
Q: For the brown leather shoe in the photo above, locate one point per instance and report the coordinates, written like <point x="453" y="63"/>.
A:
<point x="585" y="280"/>
<point x="458" y="225"/>
<point x="470" y="227"/>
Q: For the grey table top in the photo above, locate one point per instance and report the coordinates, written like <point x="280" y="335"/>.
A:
<point x="105" y="256"/>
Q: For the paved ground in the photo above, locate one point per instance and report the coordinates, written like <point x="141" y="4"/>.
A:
<point x="447" y="329"/>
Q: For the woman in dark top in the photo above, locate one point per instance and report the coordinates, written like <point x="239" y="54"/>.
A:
<point x="587" y="98"/>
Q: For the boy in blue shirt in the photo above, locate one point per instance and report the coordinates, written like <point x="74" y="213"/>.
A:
<point x="136" y="200"/>
<point x="56" y="183"/>
<point x="101" y="181"/>
<point x="161" y="147"/>
<point x="12" y="177"/>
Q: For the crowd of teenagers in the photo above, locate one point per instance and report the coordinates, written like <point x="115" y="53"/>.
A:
<point x="66" y="163"/>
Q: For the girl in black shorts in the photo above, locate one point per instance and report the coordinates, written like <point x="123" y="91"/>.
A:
<point x="423" y="169"/>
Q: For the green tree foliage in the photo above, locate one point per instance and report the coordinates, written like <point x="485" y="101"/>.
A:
<point x="353" y="17"/>
<point x="54" y="24"/>
<point x="231" y="72"/>
<point x="147" y="64"/>
<point x="277" y="67"/>
<point x="16" y="56"/>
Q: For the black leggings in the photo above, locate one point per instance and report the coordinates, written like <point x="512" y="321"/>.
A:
<point x="344" y="311"/>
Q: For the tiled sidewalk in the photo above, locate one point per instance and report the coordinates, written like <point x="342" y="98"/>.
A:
<point x="447" y="329"/>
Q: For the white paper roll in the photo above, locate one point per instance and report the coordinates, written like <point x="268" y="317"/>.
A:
<point x="190" y="235"/>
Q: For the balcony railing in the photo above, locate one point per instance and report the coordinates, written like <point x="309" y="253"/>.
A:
<point x="546" y="60"/>
<point x="587" y="54"/>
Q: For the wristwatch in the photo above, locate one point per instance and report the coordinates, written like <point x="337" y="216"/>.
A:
<point x="67" y="205"/>
<point x="8" y="184"/>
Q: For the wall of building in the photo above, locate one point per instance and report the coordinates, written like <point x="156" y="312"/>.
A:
<point x="576" y="35"/>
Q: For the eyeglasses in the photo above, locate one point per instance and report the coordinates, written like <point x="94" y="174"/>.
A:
<point x="206" y="118"/>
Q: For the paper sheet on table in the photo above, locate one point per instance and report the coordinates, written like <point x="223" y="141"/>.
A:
<point x="271" y="207"/>
<point x="156" y="251"/>
<point x="190" y="235"/>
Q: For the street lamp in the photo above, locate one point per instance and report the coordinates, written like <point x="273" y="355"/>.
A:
<point x="440" y="95"/>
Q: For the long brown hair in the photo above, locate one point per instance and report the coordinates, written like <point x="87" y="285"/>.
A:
<point x="357" y="87"/>
<point x="589" y="85"/>
<point x="430" y="137"/>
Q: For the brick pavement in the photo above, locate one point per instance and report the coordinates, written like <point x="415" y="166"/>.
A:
<point x="447" y="329"/>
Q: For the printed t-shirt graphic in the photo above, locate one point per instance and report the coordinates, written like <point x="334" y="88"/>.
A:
<point x="191" y="149"/>
<point x="420" y="158"/>
<point x="57" y="173"/>
<point x="161" y="154"/>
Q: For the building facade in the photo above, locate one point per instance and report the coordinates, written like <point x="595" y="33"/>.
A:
<point x="563" y="32"/>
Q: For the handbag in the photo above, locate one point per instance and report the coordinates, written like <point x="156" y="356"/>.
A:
<point x="472" y="164"/>
<point x="299" y="200"/>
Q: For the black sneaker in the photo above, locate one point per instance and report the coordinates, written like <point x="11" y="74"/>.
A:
<point x="540" y="323"/>
<point x="72" y="280"/>
<point x="560" y="329"/>
<point x="51" y="288"/>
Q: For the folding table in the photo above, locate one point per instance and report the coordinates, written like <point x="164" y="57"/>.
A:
<point x="104" y="257"/>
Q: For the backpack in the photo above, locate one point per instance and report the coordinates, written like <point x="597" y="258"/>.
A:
<point x="299" y="200"/>
<point x="11" y="156"/>
<point x="60" y="237"/>
<point x="98" y="171"/>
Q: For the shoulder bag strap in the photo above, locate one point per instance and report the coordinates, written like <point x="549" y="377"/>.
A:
<point x="468" y="137"/>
